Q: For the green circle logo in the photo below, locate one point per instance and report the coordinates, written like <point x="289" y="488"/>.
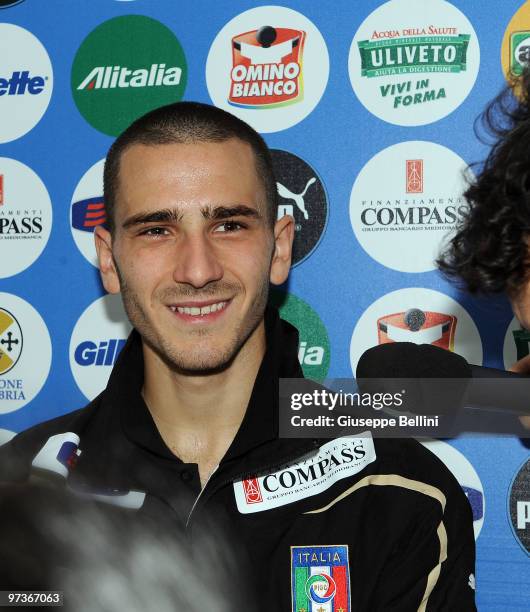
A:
<point x="124" y="68"/>
<point x="313" y="348"/>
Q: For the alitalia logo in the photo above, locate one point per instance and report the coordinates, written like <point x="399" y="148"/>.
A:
<point x="415" y="54"/>
<point x="314" y="348"/>
<point x="120" y="77"/>
<point x="114" y="82"/>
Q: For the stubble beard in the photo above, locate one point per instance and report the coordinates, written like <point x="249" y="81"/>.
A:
<point x="207" y="358"/>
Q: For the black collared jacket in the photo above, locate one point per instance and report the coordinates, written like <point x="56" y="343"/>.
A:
<point x="346" y="525"/>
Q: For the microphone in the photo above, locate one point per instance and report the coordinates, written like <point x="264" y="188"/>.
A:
<point x="442" y="382"/>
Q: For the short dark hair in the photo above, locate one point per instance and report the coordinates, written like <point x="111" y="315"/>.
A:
<point x="490" y="251"/>
<point x="187" y="123"/>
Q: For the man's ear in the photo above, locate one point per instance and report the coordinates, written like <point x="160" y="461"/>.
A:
<point x="107" y="267"/>
<point x="283" y="246"/>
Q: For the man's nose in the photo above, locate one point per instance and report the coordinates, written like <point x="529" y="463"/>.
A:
<point x="197" y="263"/>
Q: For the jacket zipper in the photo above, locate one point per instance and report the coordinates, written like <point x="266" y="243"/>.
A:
<point x="199" y="496"/>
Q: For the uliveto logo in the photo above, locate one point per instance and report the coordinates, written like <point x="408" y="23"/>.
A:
<point x="114" y="82"/>
<point x="26" y="81"/>
<point x="412" y="67"/>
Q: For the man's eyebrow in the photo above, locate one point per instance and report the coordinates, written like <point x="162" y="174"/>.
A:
<point x="174" y="215"/>
<point x="224" y="212"/>
<point x="166" y="215"/>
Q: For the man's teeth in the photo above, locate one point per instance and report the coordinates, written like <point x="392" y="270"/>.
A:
<point x="195" y="312"/>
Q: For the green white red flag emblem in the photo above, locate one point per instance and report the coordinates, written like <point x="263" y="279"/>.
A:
<point x="320" y="579"/>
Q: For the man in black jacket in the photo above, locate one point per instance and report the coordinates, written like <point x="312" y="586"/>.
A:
<point x="187" y="427"/>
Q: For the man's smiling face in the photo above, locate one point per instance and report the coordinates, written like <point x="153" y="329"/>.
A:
<point x="193" y="249"/>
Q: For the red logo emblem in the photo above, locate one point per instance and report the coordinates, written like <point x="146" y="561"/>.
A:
<point x="1" y="189"/>
<point x="252" y="491"/>
<point x="414" y="175"/>
<point x="418" y="326"/>
<point x="267" y="67"/>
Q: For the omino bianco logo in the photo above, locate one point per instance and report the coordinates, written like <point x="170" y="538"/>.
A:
<point x="417" y="315"/>
<point x="87" y="210"/>
<point x="96" y="341"/>
<point x="269" y="66"/>
<point x="412" y="66"/>
<point x="25" y="352"/>
<point x="402" y="206"/>
<point x="26" y="81"/>
<point x="25" y="217"/>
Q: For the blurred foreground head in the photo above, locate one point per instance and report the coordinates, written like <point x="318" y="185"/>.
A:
<point x="107" y="559"/>
<point x="490" y="252"/>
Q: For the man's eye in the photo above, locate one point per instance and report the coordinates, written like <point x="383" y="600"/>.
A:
<point x="229" y="226"/>
<point x="154" y="231"/>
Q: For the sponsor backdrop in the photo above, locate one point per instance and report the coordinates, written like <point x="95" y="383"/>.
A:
<point x="369" y="109"/>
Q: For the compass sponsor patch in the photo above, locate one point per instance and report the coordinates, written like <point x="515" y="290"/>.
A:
<point x="309" y="476"/>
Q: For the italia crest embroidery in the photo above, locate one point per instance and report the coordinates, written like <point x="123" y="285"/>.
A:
<point x="320" y="579"/>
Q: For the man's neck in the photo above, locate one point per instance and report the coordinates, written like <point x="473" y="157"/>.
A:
<point x="197" y="415"/>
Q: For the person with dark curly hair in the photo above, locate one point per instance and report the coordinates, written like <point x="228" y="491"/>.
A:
<point x="490" y="252"/>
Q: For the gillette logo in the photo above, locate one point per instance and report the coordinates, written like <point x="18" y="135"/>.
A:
<point x="103" y="354"/>
<point x="21" y="83"/>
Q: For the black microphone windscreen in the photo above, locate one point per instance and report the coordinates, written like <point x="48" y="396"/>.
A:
<point x="409" y="360"/>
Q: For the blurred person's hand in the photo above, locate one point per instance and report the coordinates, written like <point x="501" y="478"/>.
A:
<point x="522" y="366"/>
